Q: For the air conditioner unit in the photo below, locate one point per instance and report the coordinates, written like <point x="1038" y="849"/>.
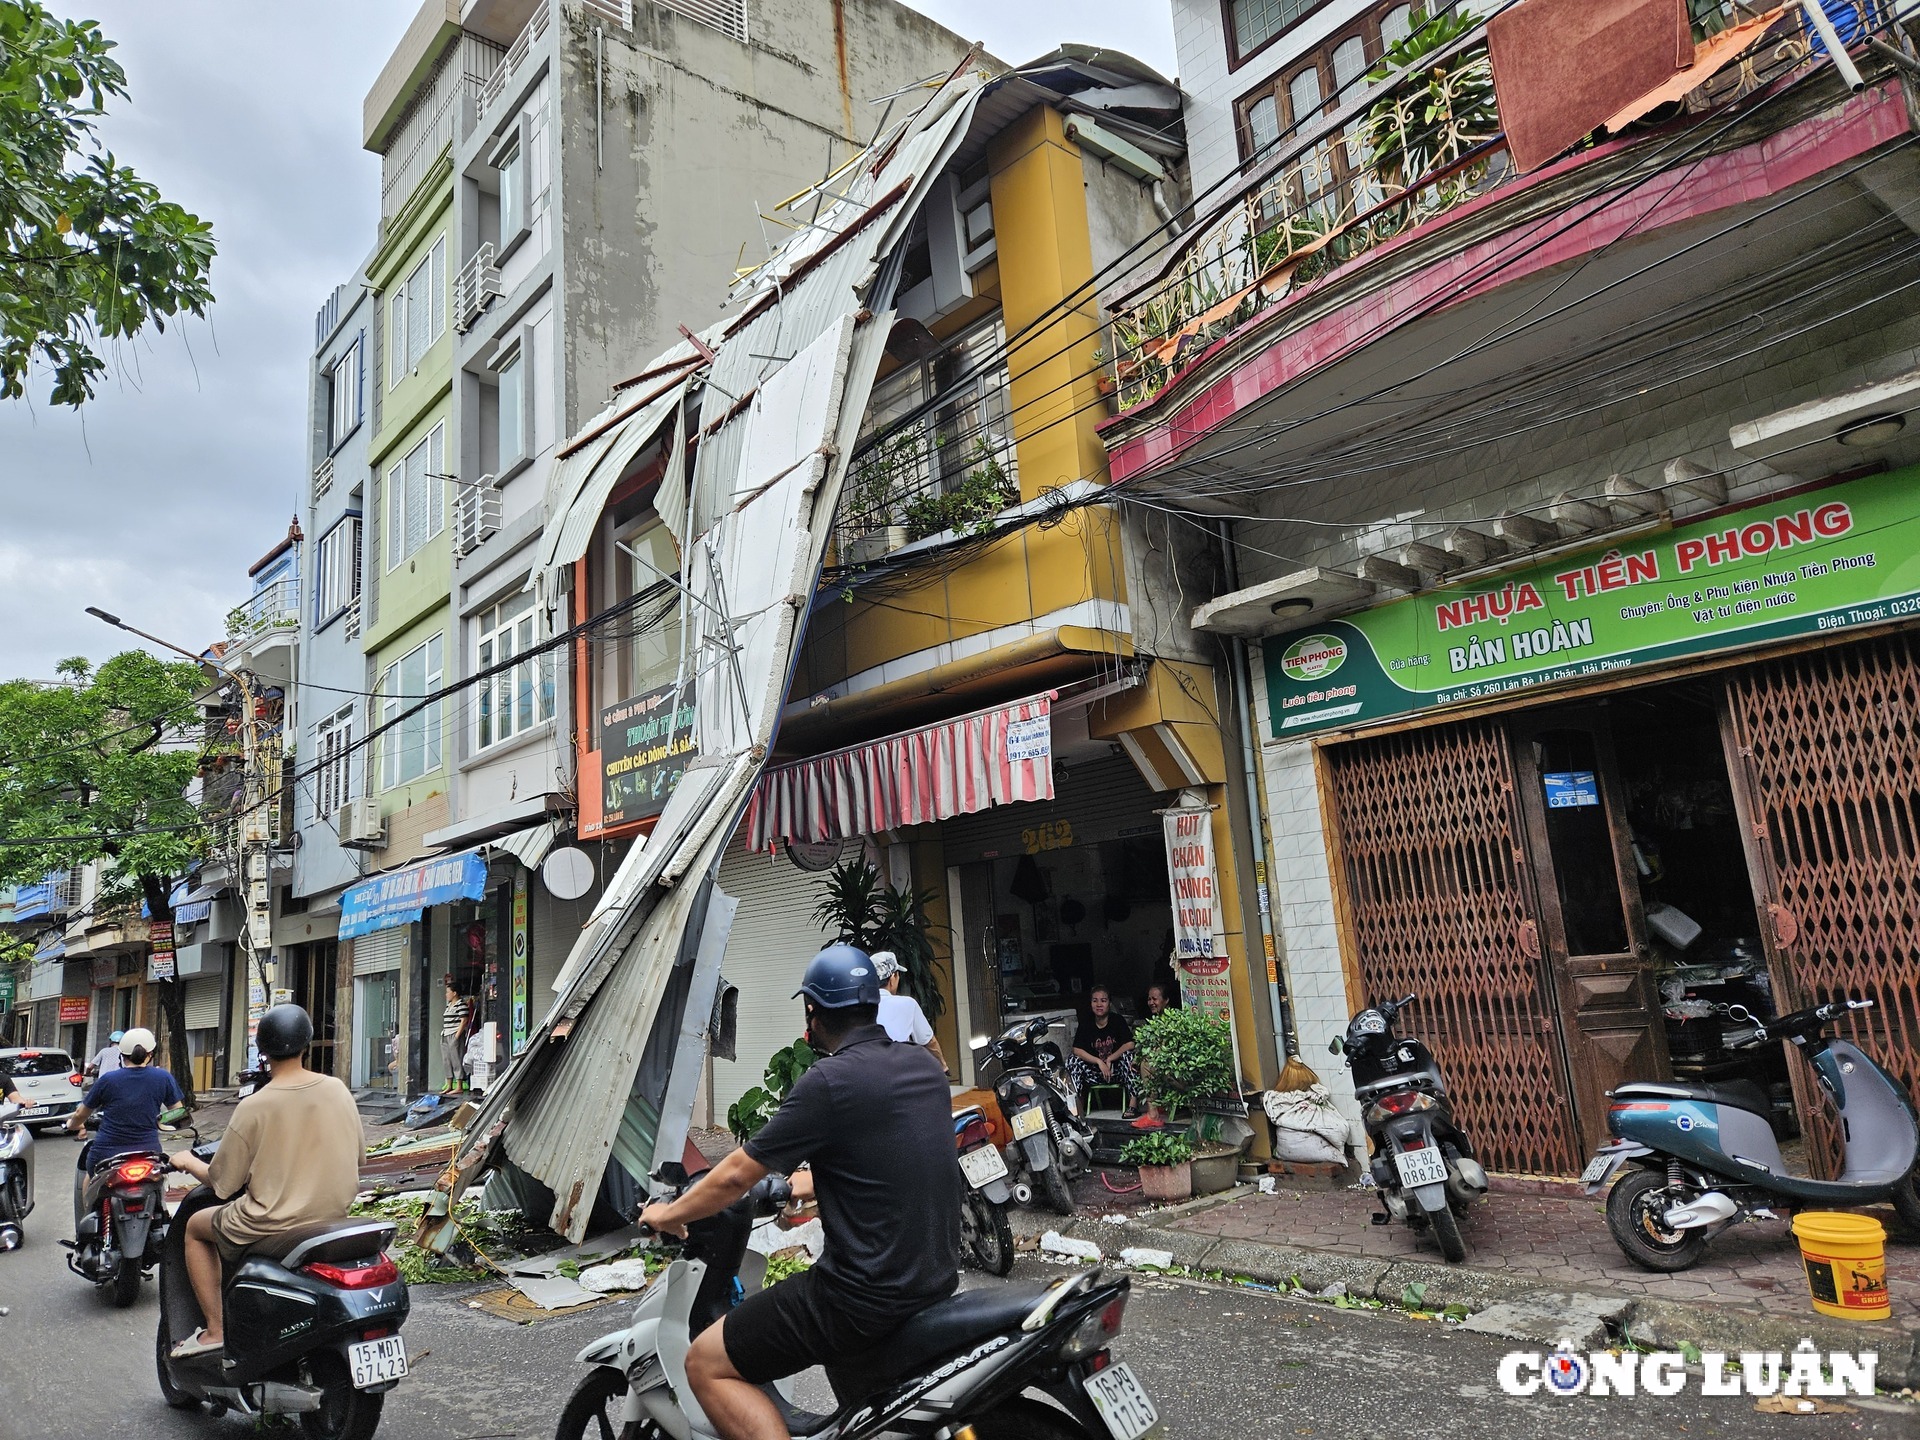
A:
<point x="360" y="825"/>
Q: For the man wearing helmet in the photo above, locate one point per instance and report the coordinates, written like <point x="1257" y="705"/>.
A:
<point x="294" y="1146"/>
<point x="109" y="1057"/>
<point x="873" y="1121"/>
<point x="130" y="1098"/>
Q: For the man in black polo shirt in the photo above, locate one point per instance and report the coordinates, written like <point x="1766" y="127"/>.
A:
<point x="874" y="1121"/>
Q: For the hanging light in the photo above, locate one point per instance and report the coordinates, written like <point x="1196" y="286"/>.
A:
<point x="1874" y="430"/>
<point x="1291" y="607"/>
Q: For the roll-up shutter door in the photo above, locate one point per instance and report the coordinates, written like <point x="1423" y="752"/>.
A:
<point x="774" y="935"/>
<point x="380" y="951"/>
<point x="203" y="1003"/>
<point x="555" y="926"/>
<point x="1101" y="800"/>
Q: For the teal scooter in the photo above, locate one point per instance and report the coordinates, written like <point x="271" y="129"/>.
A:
<point x="1699" y="1158"/>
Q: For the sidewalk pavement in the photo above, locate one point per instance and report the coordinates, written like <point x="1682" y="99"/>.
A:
<point x="1538" y="1268"/>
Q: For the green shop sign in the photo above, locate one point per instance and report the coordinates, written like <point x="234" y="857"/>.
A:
<point x="1831" y="559"/>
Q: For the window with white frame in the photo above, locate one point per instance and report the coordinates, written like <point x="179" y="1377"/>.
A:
<point x="513" y="197"/>
<point x="512" y="434"/>
<point x="417" y="313"/>
<point x="416" y="497"/>
<point x="336" y="569"/>
<point x="343" y="396"/>
<point x="644" y="553"/>
<point x="411" y="748"/>
<point x="333" y="767"/>
<point x="520" y="696"/>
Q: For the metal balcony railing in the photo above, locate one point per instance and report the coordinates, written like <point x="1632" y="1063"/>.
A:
<point x="270" y="607"/>
<point x="516" y="56"/>
<point x="475" y="287"/>
<point x="619" y="12"/>
<point x="476" y="514"/>
<point x="729" y="17"/>
<point x="323" y="477"/>
<point x="352" y="622"/>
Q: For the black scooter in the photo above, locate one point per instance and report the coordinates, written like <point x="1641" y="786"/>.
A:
<point x="16" y="1177"/>
<point x="1051" y="1145"/>
<point x="1010" y="1362"/>
<point x="1423" y="1165"/>
<point x="313" y="1331"/>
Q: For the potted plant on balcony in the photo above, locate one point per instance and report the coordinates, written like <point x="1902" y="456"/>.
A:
<point x="1165" y="1161"/>
<point x="872" y="505"/>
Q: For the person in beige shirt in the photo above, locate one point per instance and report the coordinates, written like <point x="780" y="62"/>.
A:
<point x="294" y="1146"/>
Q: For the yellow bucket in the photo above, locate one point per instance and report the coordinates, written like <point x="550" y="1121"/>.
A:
<point x="1846" y="1260"/>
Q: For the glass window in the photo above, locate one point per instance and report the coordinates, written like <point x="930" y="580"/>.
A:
<point x="417" y="313"/>
<point x="333" y="751"/>
<point x="512" y="423"/>
<point x="521" y="695"/>
<point x="1349" y="65"/>
<point x="397" y="366"/>
<point x="1395" y="26"/>
<point x="337" y="569"/>
<point x="1303" y="90"/>
<point x="650" y="657"/>
<point x="416" y="504"/>
<point x="412" y="747"/>
<point x="511" y="198"/>
<point x="1263" y="122"/>
<point x="343" y="393"/>
<point x="1257" y="21"/>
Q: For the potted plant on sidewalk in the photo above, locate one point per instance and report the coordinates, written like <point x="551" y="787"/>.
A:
<point x="1165" y="1161"/>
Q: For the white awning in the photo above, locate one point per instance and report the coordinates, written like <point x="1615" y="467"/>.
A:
<point x="530" y="846"/>
<point x="586" y="476"/>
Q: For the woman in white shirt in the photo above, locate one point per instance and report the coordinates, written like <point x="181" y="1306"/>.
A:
<point x="900" y="1015"/>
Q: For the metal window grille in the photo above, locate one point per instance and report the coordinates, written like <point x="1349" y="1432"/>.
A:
<point x="476" y="287"/>
<point x="729" y="17"/>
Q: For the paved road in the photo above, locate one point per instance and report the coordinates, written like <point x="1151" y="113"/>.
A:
<point x="1220" y="1362"/>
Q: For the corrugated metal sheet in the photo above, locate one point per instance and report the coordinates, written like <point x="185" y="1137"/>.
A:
<point x="529" y="846"/>
<point x="586" y="478"/>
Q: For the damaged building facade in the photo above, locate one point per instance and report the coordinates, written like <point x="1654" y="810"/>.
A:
<point x="1565" y="461"/>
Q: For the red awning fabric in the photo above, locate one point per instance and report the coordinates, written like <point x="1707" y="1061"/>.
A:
<point x="992" y="757"/>
<point x="1563" y="68"/>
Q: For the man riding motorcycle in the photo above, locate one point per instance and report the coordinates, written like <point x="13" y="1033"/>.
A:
<point x="294" y="1146"/>
<point x="130" y="1099"/>
<point x="872" y="1118"/>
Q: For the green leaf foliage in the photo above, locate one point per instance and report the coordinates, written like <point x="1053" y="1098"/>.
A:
<point x="1161" y="1147"/>
<point x="89" y="252"/>
<point x="751" y="1111"/>
<point x="862" y="911"/>
<point x="1184" y="1053"/>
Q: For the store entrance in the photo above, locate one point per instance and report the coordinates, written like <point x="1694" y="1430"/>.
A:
<point x="1044" y="930"/>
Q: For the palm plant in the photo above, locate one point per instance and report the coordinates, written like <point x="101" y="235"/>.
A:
<point x="863" y="911"/>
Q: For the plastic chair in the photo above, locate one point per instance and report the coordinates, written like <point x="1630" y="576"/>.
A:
<point x="1118" y="1091"/>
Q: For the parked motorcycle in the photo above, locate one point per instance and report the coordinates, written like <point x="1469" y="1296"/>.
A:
<point x="1700" y="1158"/>
<point x="313" y="1331"/>
<point x="983" y="1361"/>
<point x="1423" y="1164"/>
<point x="1051" y="1145"/>
<point x="119" y="1223"/>
<point x="16" y="1177"/>
<point x="986" y="1239"/>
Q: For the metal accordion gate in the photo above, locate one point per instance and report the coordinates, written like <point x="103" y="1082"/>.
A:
<point x="1827" y="743"/>
<point x="1440" y="904"/>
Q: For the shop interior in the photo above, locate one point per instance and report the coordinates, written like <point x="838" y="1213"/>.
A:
<point x="1695" y="889"/>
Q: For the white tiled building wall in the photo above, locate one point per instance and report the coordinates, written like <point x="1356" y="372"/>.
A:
<point x="1303" y="912"/>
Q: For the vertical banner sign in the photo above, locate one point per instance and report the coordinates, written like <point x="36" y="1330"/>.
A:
<point x="518" y="980"/>
<point x="7" y="987"/>
<point x="160" y="964"/>
<point x="1199" y="937"/>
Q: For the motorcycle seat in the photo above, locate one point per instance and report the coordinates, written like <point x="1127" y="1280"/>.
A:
<point x="1741" y="1094"/>
<point x="944" y="1328"/>
<point x="330" y="1240"/>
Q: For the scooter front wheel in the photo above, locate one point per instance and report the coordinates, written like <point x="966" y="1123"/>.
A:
<point x="1635" y="1206"/>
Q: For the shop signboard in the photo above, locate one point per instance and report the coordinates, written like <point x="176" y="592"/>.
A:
<point x="1199" y="936"/>
<point x="160" y="960"/>
<point x="517" y="975"/>
<point x="397" y="899"/>
<point x="645" y="744"/>
<point x="1827" y="560"/>
<point x="74" y="1009"/>
<point x="8" y="987"/>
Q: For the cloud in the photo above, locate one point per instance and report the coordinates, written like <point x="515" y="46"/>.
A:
<point x="153" y="501"/>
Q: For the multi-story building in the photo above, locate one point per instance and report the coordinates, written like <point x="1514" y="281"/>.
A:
<point x="1562" y="477"/>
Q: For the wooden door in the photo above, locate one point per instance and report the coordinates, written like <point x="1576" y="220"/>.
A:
<point x="1593" y="925"/>
<point x="1438" y="901"/>
<point x="1824" y="748"/>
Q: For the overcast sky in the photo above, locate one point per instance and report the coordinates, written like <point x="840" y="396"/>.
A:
<point x="153" y="501"/>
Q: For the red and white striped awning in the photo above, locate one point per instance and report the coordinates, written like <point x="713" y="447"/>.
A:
<point x="992" y="757"/>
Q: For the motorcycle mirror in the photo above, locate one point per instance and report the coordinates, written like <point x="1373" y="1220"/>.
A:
<point x="175" y="1115"/>
<point x="1335" y="1046"/>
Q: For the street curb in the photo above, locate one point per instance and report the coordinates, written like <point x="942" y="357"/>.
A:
<point x="1662" y="1324"/>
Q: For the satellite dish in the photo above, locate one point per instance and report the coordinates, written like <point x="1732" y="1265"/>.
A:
<point x="568" y="873"/>
<point x="815" y="855"/>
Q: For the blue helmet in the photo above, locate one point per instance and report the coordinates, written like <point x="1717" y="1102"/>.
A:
<point x="116" y="1037"/>
<point x="839" y="976"/>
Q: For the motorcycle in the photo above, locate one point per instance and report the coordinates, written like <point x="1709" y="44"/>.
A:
<point x="1423" y="1164"/>
<point x="313" y="1330"/>
<point x="119" y="1223"/>
<point x="1700" y="1158"/>
<point x="16" y="1177"/>
<point x="1051" y="1144"/>
<point x="981" y="1362"/>
<point x="986" y="1239"/>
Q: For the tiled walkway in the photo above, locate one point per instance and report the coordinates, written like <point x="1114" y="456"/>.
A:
<point x="1560" y="1242"/>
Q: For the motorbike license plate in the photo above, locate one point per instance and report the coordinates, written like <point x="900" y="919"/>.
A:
<point x="375" y="1362"/>
<point x="983" y="1166"/>
<point x="31" y="1111"/>
<point x="1597" y="1169"/>
<point x="1029" y="1122"/>
<point x="1421" y="1167"/>
<point x="1122" y="1402"/>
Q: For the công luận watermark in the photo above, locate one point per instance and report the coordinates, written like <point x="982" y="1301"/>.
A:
<point x="1804" y="1371"/>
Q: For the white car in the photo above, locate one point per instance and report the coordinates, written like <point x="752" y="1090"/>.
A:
<point x="50" y="1081"/>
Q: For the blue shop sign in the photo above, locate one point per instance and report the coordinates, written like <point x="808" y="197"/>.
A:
<point x="1571" y="789"/>
<point x="397" y="899"/>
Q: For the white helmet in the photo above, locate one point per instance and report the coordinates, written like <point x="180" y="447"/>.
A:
<point x="137" y="1044"/>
